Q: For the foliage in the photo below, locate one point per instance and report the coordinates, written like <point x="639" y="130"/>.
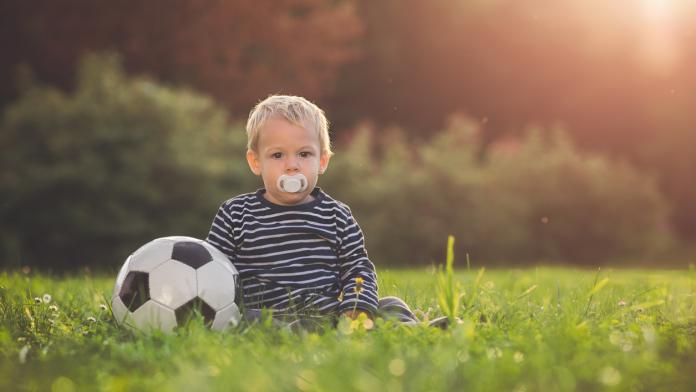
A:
<point x="623" y="86"/>
<point x="532" y="199"/>
<point x="449" y="296"/>
<point x="89" y="176"/>
<point x="235" y="51"/>
<point x="535" y="329"/>
<point x="86" y="178"/>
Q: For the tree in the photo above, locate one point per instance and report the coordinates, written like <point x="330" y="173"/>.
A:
<point x="236" y="51"/>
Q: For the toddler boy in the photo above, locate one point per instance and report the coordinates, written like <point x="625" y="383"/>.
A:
<point x="299" y="252"/>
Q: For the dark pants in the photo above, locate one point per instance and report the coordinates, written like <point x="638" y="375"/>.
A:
<point x="387" y="307"/>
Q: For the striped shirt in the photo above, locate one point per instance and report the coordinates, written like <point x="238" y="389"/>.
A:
<point x="304" y="258"/>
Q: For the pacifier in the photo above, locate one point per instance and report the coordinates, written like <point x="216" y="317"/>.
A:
<point x="292" y="184"/>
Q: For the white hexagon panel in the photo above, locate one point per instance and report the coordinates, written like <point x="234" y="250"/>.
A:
<point x="173" y="284"/>
<point x="226" y="318"/>
<point x="180" y="238"/>
<point x="121" y="313"/>
<point x="220" y="257"/>
<point x="151" y="255"/>
<point x="216" y="285"/>
<point x="154" y="316"/>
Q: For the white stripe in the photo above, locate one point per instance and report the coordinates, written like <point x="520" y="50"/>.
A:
<point x="284" y="252"/>
<point x="288" y="227"/>
<point x="275" y="224"/>
<point x="330" y="217"/>
<point x="272" y="276"/>
<point x="241" y="263"/>
<point x="246" y="248"/>
<point x="223" y="239"/>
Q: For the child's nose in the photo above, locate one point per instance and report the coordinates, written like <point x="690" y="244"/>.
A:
<point x="292" y="164"/>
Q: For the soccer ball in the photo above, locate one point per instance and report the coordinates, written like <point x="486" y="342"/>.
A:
<point x="163" y="283"/>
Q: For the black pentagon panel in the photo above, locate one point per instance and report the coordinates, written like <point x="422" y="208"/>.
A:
<point x="237" y="290"/>
<point x="191" y="253"/>
<point x="135" y="290"/>
<point x="195" y="306"/>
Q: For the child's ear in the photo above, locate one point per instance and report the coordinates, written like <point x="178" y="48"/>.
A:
<point x="324" y="162"/>
<point x="253" y="161"/>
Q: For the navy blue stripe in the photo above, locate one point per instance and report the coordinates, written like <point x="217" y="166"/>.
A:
<point x="283" y="253"/>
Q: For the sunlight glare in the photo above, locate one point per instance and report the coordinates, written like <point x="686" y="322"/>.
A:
<point x="659" y="50"/>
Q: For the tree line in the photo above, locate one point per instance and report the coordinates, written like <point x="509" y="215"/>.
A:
<point x="87" y="177"/>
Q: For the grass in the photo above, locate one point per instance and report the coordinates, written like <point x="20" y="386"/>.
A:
<point x="540" y="329"/>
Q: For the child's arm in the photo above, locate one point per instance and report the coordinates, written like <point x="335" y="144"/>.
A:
<point x="220" y="235"/>
<point x="357" y="273"/>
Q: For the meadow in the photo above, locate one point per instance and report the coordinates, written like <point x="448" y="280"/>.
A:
<point x="533" y="329"/>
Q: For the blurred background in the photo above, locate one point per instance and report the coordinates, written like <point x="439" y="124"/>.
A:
<point x="535" y="131"/>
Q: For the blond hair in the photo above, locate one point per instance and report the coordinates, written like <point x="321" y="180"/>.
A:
<point x="296" y="110"/>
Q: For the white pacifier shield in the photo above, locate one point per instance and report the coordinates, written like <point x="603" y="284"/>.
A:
<point x="292" y="184"/>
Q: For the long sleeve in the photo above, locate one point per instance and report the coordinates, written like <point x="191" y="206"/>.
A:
<point x="357" y="273"/>
<point x="220" y="235"/>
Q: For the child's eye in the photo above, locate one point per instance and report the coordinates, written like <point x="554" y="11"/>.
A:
<point x="277" y="155"/>
<point x="305" y="154"/>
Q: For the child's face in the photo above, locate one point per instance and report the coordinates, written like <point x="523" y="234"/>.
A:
<point x="285" y="148"/>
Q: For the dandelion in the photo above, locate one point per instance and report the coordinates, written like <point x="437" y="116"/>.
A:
<point x="359" y="281"/>
<point x="37" y="300"/>
<point x="53" y="308"/>
<point x="102" y="307"/>
<point x="91" y="319"/>
<point x="47" y="298"/>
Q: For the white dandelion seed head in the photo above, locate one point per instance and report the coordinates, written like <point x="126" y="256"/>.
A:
<point x="47" y="298"/>
<point x="23" y="354"/>
<point x="609" y="376"/>
<point x="649" y="334"/>
<point x="494" y="353"/>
